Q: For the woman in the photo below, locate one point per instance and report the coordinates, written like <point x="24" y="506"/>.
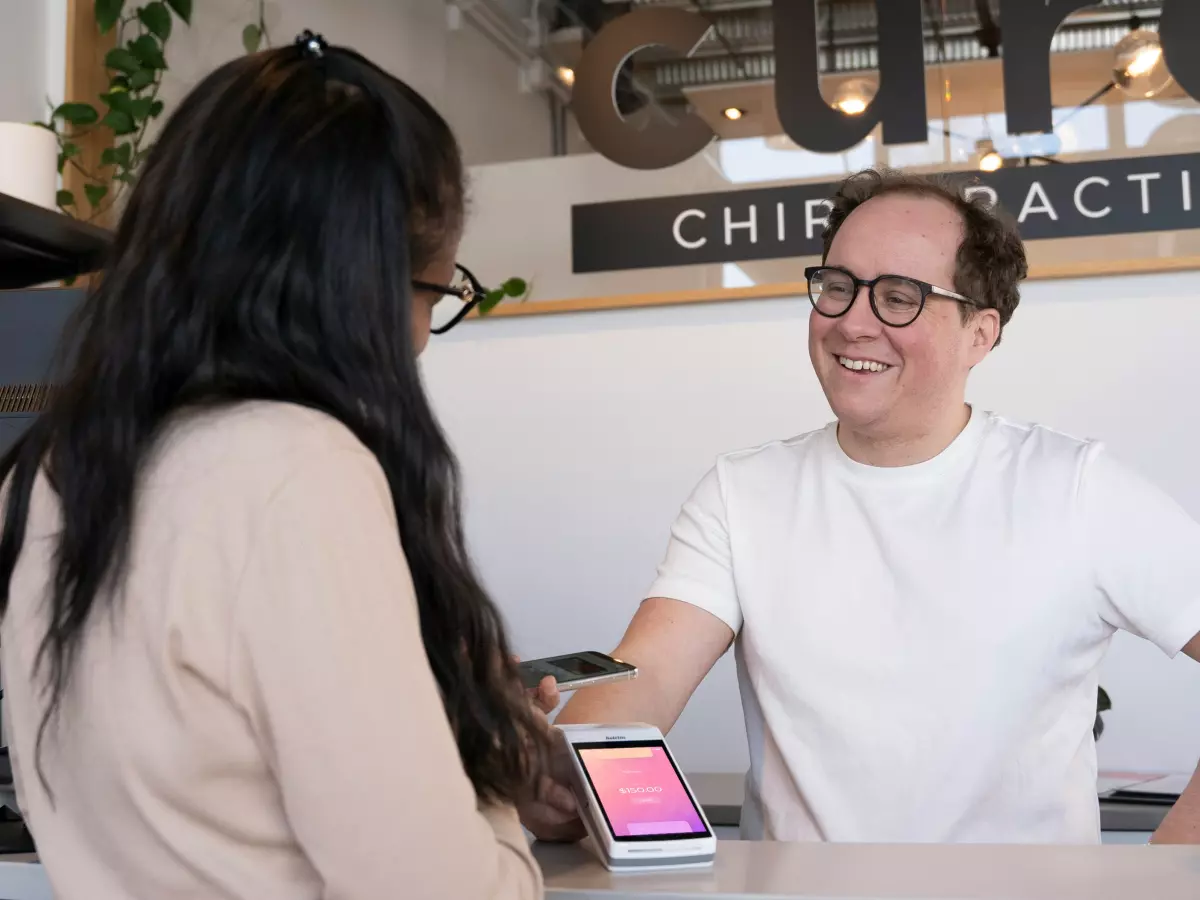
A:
<point x="245" y="653"/>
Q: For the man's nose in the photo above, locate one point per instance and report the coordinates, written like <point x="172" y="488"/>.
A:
<point x="859" y="321"/>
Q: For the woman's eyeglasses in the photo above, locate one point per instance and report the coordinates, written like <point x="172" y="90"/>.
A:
<point x="896" y="300"/>
<point x="455" y="301"/>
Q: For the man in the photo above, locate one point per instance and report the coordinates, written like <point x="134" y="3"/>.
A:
<point x="922" y="592"/>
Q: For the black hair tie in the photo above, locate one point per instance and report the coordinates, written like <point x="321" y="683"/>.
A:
<point x="311" y="45"/>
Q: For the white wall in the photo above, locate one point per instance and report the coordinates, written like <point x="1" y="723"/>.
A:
<point x="33" y="35"/>
<point x="470" y="81"/>
<point x="581" y="435"/>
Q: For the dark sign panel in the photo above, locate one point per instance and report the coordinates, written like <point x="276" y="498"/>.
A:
<point x="1119" y="196"/>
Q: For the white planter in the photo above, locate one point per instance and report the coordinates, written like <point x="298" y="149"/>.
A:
<point x="28" y="163"/>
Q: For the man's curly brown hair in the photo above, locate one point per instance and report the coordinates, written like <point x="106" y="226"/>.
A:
<point x="991" y="258"/>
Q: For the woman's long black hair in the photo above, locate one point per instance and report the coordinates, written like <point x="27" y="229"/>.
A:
<point x="267" y="252"/>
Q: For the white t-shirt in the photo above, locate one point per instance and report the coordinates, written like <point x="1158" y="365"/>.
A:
<point x="918" y="647"/>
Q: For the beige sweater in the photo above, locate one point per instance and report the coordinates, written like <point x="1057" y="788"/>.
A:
<point x="257" y="719"/>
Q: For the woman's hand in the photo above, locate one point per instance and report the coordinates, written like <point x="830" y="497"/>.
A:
<point x="546" y="696"/>
<point x="551" y="812"/>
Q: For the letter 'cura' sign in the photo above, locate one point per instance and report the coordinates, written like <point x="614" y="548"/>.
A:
<point x="1116" y="196"/>
<point x="1029" y="26"/>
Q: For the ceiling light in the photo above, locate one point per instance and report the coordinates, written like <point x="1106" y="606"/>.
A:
<point x="732" y="113"/>
<point x="1138" y="65"/>
<point x="1143" y="62"/>
<point x="853" y="96"/>
<point x="566" y="75"/>
<point x="991" y="161"/>
<point x="986" y="157"/>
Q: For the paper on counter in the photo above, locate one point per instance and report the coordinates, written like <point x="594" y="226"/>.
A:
<point x="1110" y="782"/>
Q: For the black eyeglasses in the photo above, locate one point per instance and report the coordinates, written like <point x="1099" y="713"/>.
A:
<point x="456" y="301"/>
<point x="896" y="300"/>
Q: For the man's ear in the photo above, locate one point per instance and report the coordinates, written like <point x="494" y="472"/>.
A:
<point x="985" y="331"/>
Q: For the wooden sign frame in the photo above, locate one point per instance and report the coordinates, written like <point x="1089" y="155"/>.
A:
<point x="799" y="289"/>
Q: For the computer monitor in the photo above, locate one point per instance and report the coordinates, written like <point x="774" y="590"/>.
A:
<point x="31" y="323"/>
<point x="31" y="326"/>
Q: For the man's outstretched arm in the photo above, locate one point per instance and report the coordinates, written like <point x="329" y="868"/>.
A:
<point x="1182" y="824"/>
<point x="674" y="645"/>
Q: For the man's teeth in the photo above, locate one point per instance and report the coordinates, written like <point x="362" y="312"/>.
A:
<point x="862" y="365"/>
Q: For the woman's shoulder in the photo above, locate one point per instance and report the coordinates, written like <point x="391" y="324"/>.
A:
<point x="269" y="424"/>
<point x="256" y="430"/>
<point x="253" y="444"/>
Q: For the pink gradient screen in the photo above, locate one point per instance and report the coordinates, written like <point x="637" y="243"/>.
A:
<point x="640" y="792"/>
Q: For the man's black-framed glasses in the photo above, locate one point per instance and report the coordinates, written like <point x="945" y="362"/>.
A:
<point x="456" y="300"/>
<point x="896" y="300"/>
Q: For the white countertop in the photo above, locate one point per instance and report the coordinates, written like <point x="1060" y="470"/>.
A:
<point x="762" y="870"/>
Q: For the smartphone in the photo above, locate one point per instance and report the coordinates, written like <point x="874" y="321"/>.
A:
<point x="576" y="670"/>
<point x="636" y="804"/>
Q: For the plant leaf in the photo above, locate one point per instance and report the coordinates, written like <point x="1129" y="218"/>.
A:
<point x="141" y="79"/>
<point x="122" y="60"/>
<point x="120" y="122"/>
<point x="157" y="19"/>
<point x="118" y="83"/>
<point x="77" y="113"/>
<point x="64" y="198"/>
<point x="65" y="153"/>
<point x="119" y="100"/>
<point x="490" y="301"/>
<point x="108" y="12"/>
<point x="140" y="108"/>
<point x="515" y="287"/>
<point x="148" y="52"/>
<point x="95" y="193"/>
<point x="183" y="9"/>
<point x="117" y="156"/>
<point x="251" y="38"/>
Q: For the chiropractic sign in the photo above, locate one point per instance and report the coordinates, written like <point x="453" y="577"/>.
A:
<point x="1118" y="196"/>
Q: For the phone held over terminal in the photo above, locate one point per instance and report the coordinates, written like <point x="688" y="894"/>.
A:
<point x="638" y="809"/>
<point x="576" y="670"/>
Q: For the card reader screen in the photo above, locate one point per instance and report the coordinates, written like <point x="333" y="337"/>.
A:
<point x="640" y="791"/>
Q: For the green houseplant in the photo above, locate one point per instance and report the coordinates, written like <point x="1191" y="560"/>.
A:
<point x="516" y="288"/>
<point x="130" y="103"/>
<point x="1103" y="705"/>
<point x="135" y="68"/>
